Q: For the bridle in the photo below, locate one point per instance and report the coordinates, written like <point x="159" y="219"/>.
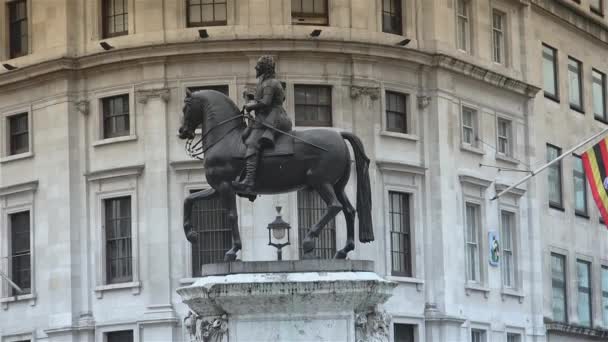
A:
<point x="197" y="149"/>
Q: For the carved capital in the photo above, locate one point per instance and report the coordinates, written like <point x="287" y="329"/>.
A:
<point x="83" y="107"/>
<point x="210" y="329"/>
<point x="372" y="325"/>
<point x="372" y="92"/>
<point x="423" y="101"/>
<point x="145" y="94"/>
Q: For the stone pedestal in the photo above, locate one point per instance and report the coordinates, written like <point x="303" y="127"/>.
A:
<point x="298" y="301"/>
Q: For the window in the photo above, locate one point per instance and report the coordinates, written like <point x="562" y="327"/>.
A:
<point x="550" y="76"/>
<point x="309" y="12"/>
<point x="583" y="269"/>
<point x="399" y="216"/>
<point x="478" y="335"/>
<point x="19" y="136"/>
<point x="498" y="37"/>
<point x="554" y="177"/>
<point x="597" y="6"/>
<point x="210" y="221"/>
<point x="576" y="86"/>
<point x="391" y="16"/>
<point x="18" y="28"/>
<point x="512" y="337"/>
<point x="558" y="284"/>
<point x="206" y="12"/>
<point x="599" y="95"/>
<point x="463" y="26"/>
<point x="605" y="294"/>
<point x="313" y="105"/>
<point x="508" y="238"/>
<point x="115" y="19"/>
<point x="472" y="217"/>
<point x="20" y="251"/>
<point x="469" y="126"/>
<point x="580" y="187"/>
<point x="115" y="116"/>
<point x="221" y="88"/>
<point x="396" y="112"/>
<point x="504" y="134"/>
<point x="120" y="336"/>
<point x="310" y="210"/>
<point x="119" y="259"/>
<point x="403" y="332"/>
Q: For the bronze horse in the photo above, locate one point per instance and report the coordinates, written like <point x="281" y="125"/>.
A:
<point x="324" y="168"/>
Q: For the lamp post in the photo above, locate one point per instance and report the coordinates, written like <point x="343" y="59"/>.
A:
<point x="278" y="234"/>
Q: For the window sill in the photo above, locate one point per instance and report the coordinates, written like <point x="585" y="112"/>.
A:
<point x="474" y="287"/>
<point x="506" y="159"/>
<point x="187" y="281"/>
<point x="6" y="300"/>
<point x="577" y="109"/>
<point x="115" y="140"/>
<point x="582" y="215"/>
<point x="14" y="157"/>
<point x="601" y="119"/>
<point x="408" y="280"/>
<point x="134" y="286"/>
<point x="513" y="293"/>
<point x="404" y="136"/>
<point x="557" y="207"/>
<point x="551" y="97"/>
<point x="472" y="149"/>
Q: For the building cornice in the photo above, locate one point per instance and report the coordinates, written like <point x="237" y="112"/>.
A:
<point x="515" y="191"/>
<point x="399" y="166"/>
<point x="17" y="188"/>
<point x="126" y="171"/>
<point x="25" y="75"/>
<point x="575" y="330"/>
<point x="576" y="17"/>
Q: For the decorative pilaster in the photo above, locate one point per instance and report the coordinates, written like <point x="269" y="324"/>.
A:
<point x="145" y="94"/>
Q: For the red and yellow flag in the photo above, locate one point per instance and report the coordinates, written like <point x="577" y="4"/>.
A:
<point x="595" y="162"/>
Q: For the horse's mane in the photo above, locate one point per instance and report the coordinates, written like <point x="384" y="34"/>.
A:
<point x="214" y="103"/>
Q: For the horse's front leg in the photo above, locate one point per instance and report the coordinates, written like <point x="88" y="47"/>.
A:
<point x="328" y="195"/>
<point x="191" y="234"/>
<point x="228" y="199"/>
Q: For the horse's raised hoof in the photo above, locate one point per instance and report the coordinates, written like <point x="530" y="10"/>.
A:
<point x="230" y="256"/>
<point x="341" y="254"/>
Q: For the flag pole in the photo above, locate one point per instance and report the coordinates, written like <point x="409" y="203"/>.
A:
<point x="540" y="169"/>
<point x="11" y="283"/>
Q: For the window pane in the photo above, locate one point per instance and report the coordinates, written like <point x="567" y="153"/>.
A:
<point x="20" y="251"/>
<point x="472" y="231"/>
<point x="313" y="105"/>
<point x="574" y="75"/>
<point x="549" y="71"/>
<point x="404" y="332"/>
<point x="584" y="292"/>
<point x="118" y="240"/>
<point x="120" y="336"/>
<point x="558" y="276"/>
<point x="605" y="294"/>
<point x="580" y="187"/>
<point x="554" y="176"/>
<point x="116" y="116"/>
<point x="399" y="213"/>
<point x="599" y="93"/>
<point x="17" y="28"/>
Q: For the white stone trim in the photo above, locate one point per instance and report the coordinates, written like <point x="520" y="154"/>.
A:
<point x="411" y="111"/>
<point x="4" y="144"/>
<point x="111" y="186"/>
<point x="97" y="115"/>
<point x="19" y="336"/>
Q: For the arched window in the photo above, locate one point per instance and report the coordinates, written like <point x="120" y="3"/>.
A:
<point x="310" y="210"/>
<point x="210" y="221"/>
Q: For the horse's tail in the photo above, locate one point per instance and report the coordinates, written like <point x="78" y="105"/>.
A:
<point x="364" y="192"/>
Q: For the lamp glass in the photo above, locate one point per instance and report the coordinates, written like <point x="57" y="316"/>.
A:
<point x="278" y="233"/>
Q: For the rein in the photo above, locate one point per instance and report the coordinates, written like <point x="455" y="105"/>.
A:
<point x="197" y="149"/>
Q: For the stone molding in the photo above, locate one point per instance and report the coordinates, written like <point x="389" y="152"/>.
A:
<point x="16" y="188"/>
<point x="515" y="191"/>
<point x="134" y="170"/>
<point x="358" y="91"/>
<point x="143" y="95"/>
<point x="574" y="330"/>
<point x="475" y="181"/>
<point x="399" y="166"/>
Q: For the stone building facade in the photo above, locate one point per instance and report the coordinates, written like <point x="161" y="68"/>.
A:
<point x="453" y="99"/>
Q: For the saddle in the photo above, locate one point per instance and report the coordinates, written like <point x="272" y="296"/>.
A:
<point x="283" y="146"/>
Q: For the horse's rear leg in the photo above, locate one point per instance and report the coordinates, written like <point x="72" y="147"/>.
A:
<point x="349" y="214"/>
<point x="228" y="198"/>
<point x="327" y="193"/>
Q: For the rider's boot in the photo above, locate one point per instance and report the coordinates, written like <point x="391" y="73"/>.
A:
<point x="248" y="182"/>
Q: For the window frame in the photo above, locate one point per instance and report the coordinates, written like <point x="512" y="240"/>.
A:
<point x="483" y="337"/>
<point x="206" y="23"/>
<point x="474" y="128"/>
<point x="97" y="112"/>
<point x="513" y="276"/>
<point x="597" y="10"/>
<point x="555" y="60"/>
<point x="407" y="255"/>
<point x="406" y="114"/>
<point x="559" y="165"/>
<point x="5" y="153"/>
<point x="508" y="137"/>
<point x="579" y="74"/>
<point x="108" y="115"/>
<point x="12" y="254"/>
<point x="604" y="296"/>
<point x="108" y="280"/>
<point x="502" y="55"/>
<point x="305" y="18"/>
<point x="304" y="123"/>
<point x="584" y="213"/>
<point x="604" y="116"/>
<point x="11" y="54"/>
<point x="396" y="12"/>
<point x="12" y="151"/>
<point x="478" y="277"/>
<point x="413" y="326"/>
<point x="106" y="335"/>
<point x="589" y="290"/>
<point x="105" y="15"/>
<point x="466" y="17"/>
<point x="563" y="280"/>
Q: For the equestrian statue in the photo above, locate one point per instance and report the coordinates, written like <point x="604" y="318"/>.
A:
<point x="267" y="157"/>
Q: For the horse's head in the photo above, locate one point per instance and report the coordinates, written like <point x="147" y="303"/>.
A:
<point x="191" y="119"/>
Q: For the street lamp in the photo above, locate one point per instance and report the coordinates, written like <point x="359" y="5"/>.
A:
<point x="278" y="234"/>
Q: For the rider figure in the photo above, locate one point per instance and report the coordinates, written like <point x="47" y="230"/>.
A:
<point x="268" y="106"/>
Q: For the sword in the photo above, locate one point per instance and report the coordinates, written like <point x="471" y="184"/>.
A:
<point x="250" y="117"/>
